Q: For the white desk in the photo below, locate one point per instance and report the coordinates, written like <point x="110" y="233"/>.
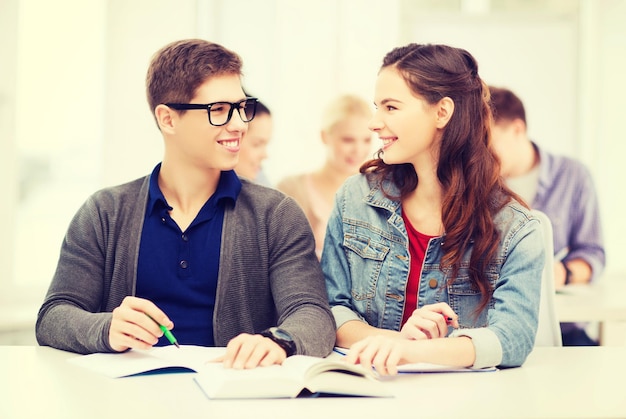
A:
<point x="603" y="302"/>
<point x="571" y="382"/>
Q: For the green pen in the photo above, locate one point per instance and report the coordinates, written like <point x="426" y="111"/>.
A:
<point x="167" y="333"/>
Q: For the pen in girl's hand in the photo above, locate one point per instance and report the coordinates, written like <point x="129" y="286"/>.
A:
<point x="340" y="350"/>
<point x="449" y="320"/>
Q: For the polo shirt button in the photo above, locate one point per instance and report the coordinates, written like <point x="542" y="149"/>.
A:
<point x="183" y="264"/>
<point x="185" y="238"/>
<point x="432" y="283"/>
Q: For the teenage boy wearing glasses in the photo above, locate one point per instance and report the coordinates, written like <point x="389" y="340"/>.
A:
<point x="232" y="263"/>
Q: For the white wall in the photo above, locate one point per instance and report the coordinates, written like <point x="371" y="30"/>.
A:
<point x="298" y="56"/>
<point x="8" y="166"/>
<point x="55" y="101"/>
<point x="568" y="70"/>
<point x="88" y="97"/>
<point x="296" y="65"/>
<point x="134" y="31"/>
<point x="607" y="125"/>
<point x="518" y="51"/>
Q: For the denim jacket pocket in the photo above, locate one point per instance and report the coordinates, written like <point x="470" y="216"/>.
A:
<point x="365" y="257"/>
<point x="464" y="299"/>
<point x="365" y="247"/>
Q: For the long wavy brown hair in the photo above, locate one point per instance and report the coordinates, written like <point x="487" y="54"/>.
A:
<point x="468" y="170"/>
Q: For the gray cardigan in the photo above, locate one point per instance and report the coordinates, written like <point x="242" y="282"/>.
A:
<point x="269" y="274"/>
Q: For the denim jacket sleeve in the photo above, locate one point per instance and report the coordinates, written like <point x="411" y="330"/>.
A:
<point x="513" y="314"/>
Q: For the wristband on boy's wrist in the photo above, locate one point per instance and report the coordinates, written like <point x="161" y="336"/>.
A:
<point x="281" y="338"/>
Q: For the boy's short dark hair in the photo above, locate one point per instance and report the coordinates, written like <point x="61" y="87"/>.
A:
<point x="179" y="68"/>
<point x="505" y="105"/>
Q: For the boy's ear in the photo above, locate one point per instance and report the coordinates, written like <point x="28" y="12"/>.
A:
<point x="445" y="109"/>
<point x="165" y="118"/>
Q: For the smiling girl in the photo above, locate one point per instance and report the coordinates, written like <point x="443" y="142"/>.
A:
<point x="428" y="257"/>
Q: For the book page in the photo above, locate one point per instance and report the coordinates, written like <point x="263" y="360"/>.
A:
<point x="425" y="367"/>
<point x="420" y="367"/>
<point x="347" y="384"/>
<point x="275" y="381"/>
<point x="161" y="358"/>
<point x="308" y="366"/>
<point x="189" y="354"/>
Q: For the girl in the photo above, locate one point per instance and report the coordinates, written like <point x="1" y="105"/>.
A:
<point x="427" y="239"/>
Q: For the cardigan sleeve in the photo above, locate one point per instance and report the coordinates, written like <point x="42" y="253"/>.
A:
<point x="298" y="283"/>
<point x="95" y="271"/>
<point x="269" y="273"/>
<point x="67" y="319"/>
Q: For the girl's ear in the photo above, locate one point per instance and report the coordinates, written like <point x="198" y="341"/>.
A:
<point x="445" y="109"/>
<point x="165" y="118"/>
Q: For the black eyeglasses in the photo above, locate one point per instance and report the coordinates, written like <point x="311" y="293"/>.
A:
<point x="221" y="112"/>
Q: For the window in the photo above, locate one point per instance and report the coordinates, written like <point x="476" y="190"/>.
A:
<point x="53" y="106"/>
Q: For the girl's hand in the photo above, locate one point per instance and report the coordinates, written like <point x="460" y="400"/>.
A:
<point x="430" y="322"/>
<point x="380" y="352"/>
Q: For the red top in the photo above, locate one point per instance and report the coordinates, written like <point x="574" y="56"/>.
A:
<point x="418" y="243"/>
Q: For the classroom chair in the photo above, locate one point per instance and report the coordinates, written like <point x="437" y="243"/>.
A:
<point x="549" y="329"/>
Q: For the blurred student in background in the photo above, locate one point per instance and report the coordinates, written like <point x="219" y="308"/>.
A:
<point x="348" y="143"/>
<point x="560" y="187"/>
<point x="254" y="146"/>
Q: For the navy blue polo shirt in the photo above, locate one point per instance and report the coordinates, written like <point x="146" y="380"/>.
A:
<point x="177" y="270"/>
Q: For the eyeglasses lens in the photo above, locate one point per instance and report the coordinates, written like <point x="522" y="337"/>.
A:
<point x="221" y="112"/>
<point x="249" y="110"/>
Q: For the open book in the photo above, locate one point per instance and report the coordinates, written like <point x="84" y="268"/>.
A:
<point x="298" y="375"/>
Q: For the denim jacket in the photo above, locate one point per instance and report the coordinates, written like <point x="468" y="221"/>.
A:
<point x="366" y="266"/>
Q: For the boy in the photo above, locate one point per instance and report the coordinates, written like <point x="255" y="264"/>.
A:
<point x="231" y="262"/>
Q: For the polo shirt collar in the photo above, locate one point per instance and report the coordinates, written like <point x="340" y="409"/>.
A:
<point x="228" y="189"/>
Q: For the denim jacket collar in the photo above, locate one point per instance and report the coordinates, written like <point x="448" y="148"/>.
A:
<point x="377" y="198"/>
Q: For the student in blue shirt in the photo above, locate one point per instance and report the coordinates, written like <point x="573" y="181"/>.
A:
<point x="428" y="238"/>
<point x="559" y="186"/>
<point x="217" y="260"/>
